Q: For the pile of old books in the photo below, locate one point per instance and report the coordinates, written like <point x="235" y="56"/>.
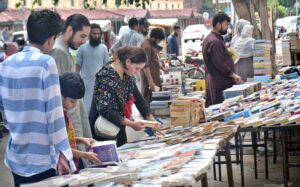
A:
<point x="177" y="158"/>
<point x="295" y="42"/>
<point x="286" y="53"/>
<point x="186" y="111"/>
<point x="262" y="58"/>
<point x="243" y="89"/>
<point x="277" y="103"/>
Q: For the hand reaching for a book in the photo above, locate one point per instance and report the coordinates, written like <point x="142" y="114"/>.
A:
<point x="137" y="125"/>
<point x="92" y="157"/>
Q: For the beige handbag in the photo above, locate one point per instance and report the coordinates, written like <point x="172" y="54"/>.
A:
<point x="105" y="128"/>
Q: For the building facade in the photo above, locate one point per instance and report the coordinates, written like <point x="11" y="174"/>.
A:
<point x="194" y="4"/>
<point x="78" y="4"/>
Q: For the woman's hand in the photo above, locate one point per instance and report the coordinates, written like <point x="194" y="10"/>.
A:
<point x="92" y="157"/>
<point x="137" y="125"/>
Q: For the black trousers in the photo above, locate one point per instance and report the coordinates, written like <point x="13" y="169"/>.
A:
<point x="35" y="178"/>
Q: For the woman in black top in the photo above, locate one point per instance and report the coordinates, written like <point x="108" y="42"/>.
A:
<point x="115" y="91"/>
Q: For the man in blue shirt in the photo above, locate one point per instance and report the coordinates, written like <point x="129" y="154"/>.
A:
<point x="91" y="57"/>
<point x="172" y="43"/>
<point x="31" y="105"/>
<point x="133" y="38"/>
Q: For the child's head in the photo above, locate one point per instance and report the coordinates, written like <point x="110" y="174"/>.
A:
<point x="72" y="88"/>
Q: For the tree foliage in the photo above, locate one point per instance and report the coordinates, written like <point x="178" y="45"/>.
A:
<point x="282" y="11"/>
<point x="208" y="6"/>
<point x="287" y="3"/>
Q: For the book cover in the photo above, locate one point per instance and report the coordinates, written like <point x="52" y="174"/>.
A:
<point x="107" y="152"/>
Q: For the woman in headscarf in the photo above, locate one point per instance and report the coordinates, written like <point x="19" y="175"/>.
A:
<point x="243" y="48"/>
<point x="238" y="30"/>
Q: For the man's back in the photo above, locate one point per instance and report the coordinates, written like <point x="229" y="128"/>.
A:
<point x="31" y="104"/>
<point x="133" y="38"/>
<point x="172" y="47"/>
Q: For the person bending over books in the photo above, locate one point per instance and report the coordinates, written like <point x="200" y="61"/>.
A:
<point x="72" y="89"/>
<point x="115" y="92"/>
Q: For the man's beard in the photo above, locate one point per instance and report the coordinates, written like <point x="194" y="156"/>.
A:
<point x="176" y="34"/>
<point x="223" y="32"/>
<point x="95" y="42"/>
<point x="71" y="43"/>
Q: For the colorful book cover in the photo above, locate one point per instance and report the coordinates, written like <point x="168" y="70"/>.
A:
<point x="107" y="152"/>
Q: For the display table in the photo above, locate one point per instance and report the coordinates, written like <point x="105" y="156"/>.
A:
<point x="283" y="130"/>
<point x="180" y="158"/>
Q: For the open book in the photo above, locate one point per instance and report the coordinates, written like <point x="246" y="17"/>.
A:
<point x="107" y="152"/>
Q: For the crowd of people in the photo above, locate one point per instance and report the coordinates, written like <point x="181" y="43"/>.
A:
<point x="50" y="103"/>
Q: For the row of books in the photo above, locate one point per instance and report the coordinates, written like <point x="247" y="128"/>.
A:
<point x="262" y="58"/>
<point x="243" y="89"/>
<point x="277" y="103"/>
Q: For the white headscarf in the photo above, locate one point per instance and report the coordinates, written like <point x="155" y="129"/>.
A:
<point x="243" y="47"/>
<point x="238" y="29"/>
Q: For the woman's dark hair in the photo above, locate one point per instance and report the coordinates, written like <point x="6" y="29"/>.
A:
<point x="157" y="33"/>
<point x="72" y="85"/>
<point x="43" y="24"/>
<point x="220" y="17"/>
<point x="76" y="21"/>
<point x="137" y="55"/>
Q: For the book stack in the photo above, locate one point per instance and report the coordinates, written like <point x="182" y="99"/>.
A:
<point x="262" y="58"/>
<point x="187" y="111"/>
<point x="277" y="103"/>
<point x="242" y="89"/>
<point x="295" y="43"/>
<point x="286" y="53"/>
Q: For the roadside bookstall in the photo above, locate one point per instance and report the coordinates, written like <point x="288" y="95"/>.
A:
<point x="180" y="157"/>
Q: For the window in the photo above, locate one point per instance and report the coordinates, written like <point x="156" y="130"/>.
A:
<point x="178" y="6"/>
<point x="172" y="6"/>
<point x="72" y="3"/>
<point x="158" y="5"/>
<point x="166" y="5"/>
<point x="95" y="4"/>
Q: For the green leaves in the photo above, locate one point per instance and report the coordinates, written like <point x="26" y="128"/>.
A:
<point x="18" y="4"/>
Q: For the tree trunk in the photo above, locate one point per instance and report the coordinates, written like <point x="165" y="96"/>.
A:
<point x="246" y="11"/>
<point x="264" y="20"/>
<point x="257" y="32"/>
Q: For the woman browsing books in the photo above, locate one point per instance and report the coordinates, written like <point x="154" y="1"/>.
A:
<point x="115" y="92"/>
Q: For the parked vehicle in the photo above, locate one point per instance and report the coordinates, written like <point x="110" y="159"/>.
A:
<point x="193" y="66"/>
<point x="19" y="34"/>
<point x="192" y="37"/>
